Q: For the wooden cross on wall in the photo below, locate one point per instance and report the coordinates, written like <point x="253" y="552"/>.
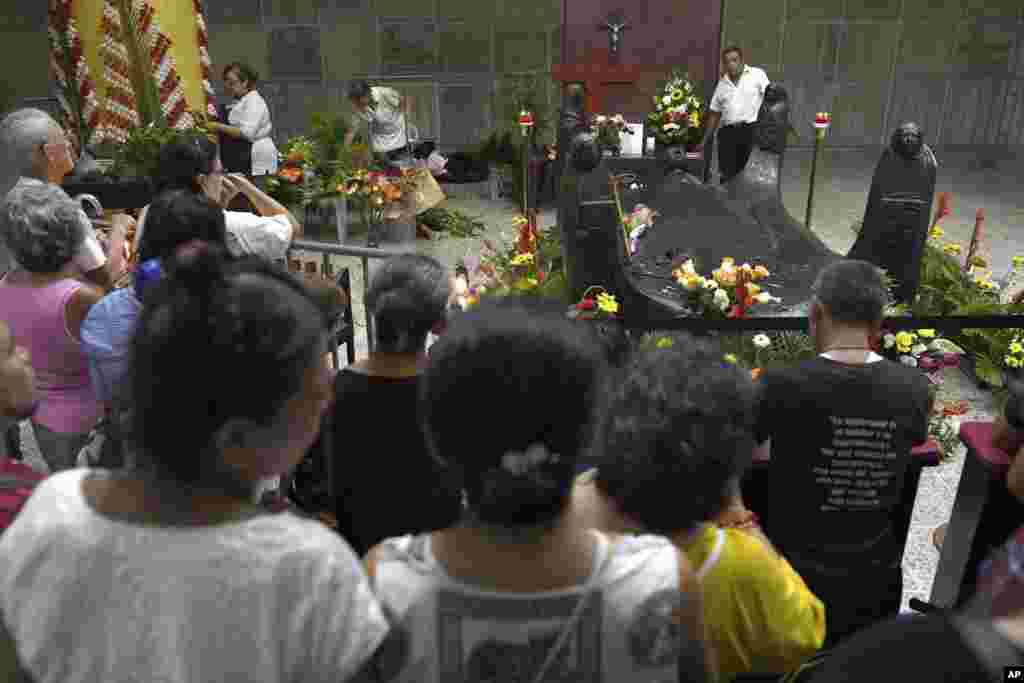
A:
<point x="596" y="74"/>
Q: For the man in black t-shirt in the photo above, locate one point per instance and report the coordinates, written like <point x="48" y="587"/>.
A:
<point x="841" y="427"/>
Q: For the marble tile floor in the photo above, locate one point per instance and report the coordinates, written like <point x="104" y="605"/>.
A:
<point x="844" y="178"/>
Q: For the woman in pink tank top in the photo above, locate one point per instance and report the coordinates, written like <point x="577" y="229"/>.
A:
<point x="44" y="309"/>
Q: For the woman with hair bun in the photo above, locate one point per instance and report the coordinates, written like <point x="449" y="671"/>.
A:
<point x="171" y="572"/>
<point x="176" y="217"/>
<point x="515" y="591"/>
<point x="408" y="298"/>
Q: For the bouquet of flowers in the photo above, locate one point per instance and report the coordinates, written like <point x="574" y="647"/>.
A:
<point x="609" y="130"/>
<point x="678" y="112"/>
<point x="530" y="265"/>
<point x="728" y="293"/>
<point x="295" y="179"/>
<point x="596" y="304"/>
<point x="379" y="196"/>
<point x="1014" y="358"/>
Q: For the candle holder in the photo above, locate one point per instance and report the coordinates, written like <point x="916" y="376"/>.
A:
<point x="822" y="121"/>
<point x="525" y="122"/>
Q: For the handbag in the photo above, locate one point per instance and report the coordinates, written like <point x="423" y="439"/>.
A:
<point x="426" y="193"/>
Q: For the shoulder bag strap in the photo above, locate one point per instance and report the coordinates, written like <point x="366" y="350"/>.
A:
<point x="577" y="614"/>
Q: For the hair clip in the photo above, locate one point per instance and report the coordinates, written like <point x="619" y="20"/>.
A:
<point x="536" y="455"/>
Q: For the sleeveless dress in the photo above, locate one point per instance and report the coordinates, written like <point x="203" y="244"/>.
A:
<point x="36" y="316"/>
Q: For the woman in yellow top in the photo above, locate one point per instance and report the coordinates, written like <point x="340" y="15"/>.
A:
<point x="676" y="441"/>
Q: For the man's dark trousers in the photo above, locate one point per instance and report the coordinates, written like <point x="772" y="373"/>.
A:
<point x="734" y="145"/>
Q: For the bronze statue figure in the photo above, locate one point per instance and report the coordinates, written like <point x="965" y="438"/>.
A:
<point x="896" y="220"/>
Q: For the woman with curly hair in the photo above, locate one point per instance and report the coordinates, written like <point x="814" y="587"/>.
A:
<point x="515" y="591"/>
<point x="677" y="438"/>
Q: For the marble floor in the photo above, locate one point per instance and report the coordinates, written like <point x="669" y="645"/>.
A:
<point x="842" y="186"/>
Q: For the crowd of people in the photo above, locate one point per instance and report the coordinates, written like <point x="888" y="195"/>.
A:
<point x="531" y="502"/>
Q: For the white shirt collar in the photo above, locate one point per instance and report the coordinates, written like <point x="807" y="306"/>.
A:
<point x="746" y="70"/>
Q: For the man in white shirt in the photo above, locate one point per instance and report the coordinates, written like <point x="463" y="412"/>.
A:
<point x="735" y="105"/>
<point x="384" y="110"/>
<point x="38" y="151"/>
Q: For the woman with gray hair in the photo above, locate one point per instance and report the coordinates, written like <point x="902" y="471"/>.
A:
<point x="44" y="307"/>
<point x="408" y="299"/>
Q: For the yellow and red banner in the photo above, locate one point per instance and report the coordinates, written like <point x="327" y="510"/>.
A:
<point x="172" y="41"/>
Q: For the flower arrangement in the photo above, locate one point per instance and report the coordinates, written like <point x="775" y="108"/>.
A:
<point x="609" y="130"/>
<point x="728" y="293"/>
<point x="596" y="304"/>
<point x="531" y="265"/>
<point x="295" y="179"/>
<point x="1014" y="358"/>
<point x="949" y="286"/>
<point x="379" y="196"/>
<point x="678" y="112"/>
<point x="924" y="349"/>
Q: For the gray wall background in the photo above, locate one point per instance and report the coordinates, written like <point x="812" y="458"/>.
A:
<point x="955" y="66"/>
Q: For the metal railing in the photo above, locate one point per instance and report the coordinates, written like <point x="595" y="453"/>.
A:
<point x="800" y="324"/>
<point x="327" y="249"/>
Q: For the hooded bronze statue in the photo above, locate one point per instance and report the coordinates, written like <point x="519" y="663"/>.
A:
<point x="895" y="226"/>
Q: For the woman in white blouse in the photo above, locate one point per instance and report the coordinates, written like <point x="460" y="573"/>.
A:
<point x="248" y="119"/>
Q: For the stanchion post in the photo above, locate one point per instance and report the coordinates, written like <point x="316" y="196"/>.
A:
<point x="821" y="123"/>
<point x="366" y="312"/>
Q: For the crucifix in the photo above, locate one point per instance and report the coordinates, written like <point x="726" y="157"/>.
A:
<point x="615" y="25"/>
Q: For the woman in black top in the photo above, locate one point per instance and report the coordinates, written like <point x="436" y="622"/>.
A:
<point x="391" y="486"/>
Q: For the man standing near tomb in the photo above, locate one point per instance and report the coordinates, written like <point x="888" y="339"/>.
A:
<point x="840" y="428"/>
<point x="385" y="111"/>
<point x="735" y="105"/>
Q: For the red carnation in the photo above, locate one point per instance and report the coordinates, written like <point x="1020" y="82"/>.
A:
<point x="585" y="305"/>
